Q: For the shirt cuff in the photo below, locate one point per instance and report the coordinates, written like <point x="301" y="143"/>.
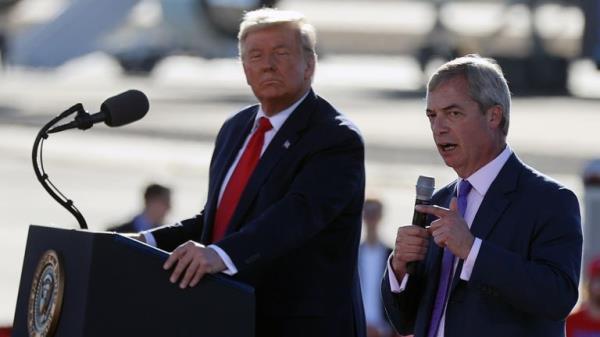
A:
<point x="469" y="263"/>
<point x="150" y="240"/>
<point x="396" y="286"/>
<point x="231" y="269"/>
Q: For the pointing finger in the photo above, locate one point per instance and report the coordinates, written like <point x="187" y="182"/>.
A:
<point x="433" y="210"/>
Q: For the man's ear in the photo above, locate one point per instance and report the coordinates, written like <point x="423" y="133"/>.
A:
<point x="494" y="116"/>
<point x="311" y="62"/>
<point x="245" y="72"/>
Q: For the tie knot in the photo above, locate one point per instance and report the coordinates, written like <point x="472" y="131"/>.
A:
<point x="464" y="188"/>
<point x="264" y="125"/>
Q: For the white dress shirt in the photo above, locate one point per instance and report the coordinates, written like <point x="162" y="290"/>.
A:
<point x="481" y="181"/>
<point x="277" y="121"/>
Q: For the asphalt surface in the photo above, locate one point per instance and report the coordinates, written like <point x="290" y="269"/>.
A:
<point x="105" y="169"/>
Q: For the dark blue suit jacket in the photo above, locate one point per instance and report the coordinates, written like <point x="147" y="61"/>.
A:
<point x="295" y="233"/>
<point x="525" y="279"/>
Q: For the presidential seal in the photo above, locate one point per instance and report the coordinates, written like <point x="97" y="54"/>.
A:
<point x="45" y="296"/>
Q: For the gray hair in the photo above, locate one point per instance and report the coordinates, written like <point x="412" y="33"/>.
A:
<point x="268" y="17"/>
<point x="487" y="85"/>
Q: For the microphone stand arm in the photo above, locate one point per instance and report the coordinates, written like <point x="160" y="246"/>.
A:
<point x="38" y="167"/>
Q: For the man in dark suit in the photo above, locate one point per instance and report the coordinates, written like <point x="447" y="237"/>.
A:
<point x="503" y="255"/>
<point x="157" y="203"/>
<point x="286" y="189"/>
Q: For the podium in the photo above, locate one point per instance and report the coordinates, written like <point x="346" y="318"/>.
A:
<point x="116" y="286"/>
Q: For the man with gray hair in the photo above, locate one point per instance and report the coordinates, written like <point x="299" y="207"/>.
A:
<point x="502" y="254"/>
<point x="286" y="189"/>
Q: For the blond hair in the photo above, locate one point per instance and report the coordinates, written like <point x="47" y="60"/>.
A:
<point x="267" y="17"/>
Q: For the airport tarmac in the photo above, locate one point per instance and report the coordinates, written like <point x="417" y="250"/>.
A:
<point x="104" y="170"/>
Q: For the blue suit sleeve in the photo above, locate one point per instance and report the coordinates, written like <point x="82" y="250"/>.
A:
<point x="170" y="237"/>
<point x="401" y="309"/>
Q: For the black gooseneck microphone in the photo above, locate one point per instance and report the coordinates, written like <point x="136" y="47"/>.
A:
<point x="118" y="110"/>
<point x="425" y="187"/>
<point x="124" y="108"/>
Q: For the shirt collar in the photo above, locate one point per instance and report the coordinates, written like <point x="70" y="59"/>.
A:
<point x="482" y="179"/>
<point x="279" y="118"/>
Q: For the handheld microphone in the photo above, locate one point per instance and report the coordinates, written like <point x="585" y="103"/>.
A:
<point x="124" y="108"/>
<point x="425" y="187"/>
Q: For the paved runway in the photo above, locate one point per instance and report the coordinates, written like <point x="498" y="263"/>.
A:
<point x="104" y="170"/>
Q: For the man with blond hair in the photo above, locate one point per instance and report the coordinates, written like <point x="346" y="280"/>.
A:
<point x="286" y="188"/>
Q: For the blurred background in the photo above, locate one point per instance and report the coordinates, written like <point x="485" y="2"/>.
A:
<point x="374" y="60"/>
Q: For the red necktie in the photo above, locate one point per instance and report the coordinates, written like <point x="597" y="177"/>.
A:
<point x="237" y="183"/>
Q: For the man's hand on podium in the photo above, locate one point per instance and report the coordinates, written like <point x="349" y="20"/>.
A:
<point x="193" y="261"/>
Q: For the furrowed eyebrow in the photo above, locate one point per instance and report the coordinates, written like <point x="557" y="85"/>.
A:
<point x="281" y="46"/>
<point x="251" y="51"/>
<point x="446" y="108"/>
<point x="452" y="106"/>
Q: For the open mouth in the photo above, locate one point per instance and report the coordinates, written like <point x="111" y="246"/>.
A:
<point x="445" y="147"/>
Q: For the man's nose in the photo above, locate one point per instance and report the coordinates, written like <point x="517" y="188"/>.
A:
<point x="439" y="125"/>
<point x="269" y="62"/>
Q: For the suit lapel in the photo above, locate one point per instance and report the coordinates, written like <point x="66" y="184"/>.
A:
<point x="496" y="199"/>
<point x="494" y="203"/>
<point x="232" y="145"/>
<point x="281" y="144"/>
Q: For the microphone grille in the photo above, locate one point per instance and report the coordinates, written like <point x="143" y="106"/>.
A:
<point x="425" y="187"/>
<point x="125" y="108"/>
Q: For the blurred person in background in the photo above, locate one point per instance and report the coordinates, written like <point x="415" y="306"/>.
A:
<point x="372" y="257"/>
<point x="157" y="204"/>
<point x="586" y="321"/>
<point x="285" y="196"/>
<point x="502" y="254"/>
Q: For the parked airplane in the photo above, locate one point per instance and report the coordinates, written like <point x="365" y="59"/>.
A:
<point x="136" y="32"/>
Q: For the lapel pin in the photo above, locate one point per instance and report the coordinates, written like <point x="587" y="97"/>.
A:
<point x="287" y="144"/>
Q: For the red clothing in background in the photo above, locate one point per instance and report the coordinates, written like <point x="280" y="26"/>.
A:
<point x="5" y="331"/>
<point x="580" y="324"/>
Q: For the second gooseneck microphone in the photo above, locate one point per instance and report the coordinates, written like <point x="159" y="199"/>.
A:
<point x="425" y="187"/>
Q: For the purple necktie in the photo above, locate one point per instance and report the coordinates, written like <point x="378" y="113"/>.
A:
<point x="447" y="267"/>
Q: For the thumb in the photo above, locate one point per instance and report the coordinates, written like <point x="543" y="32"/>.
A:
<point x="454" y="205"/>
